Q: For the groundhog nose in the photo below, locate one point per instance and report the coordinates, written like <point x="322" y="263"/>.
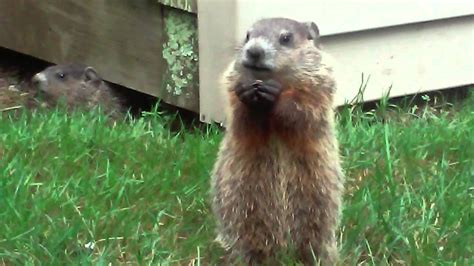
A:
<point x="38" y="79"/>
<point x="255" y="53"/>
<point x="35" y="81"/>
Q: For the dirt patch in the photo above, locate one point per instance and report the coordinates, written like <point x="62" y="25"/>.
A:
<point x="16" y="71"/>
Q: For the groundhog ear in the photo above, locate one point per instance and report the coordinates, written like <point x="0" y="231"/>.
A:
<point x="313" y="31"/>
<point x="91" y="74"/>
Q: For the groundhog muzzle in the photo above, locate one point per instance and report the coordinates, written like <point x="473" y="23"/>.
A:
<point x="278" y="180"/>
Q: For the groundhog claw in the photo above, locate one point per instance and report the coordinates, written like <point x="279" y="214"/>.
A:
<point x="246" y="92"/>
<point x="259" y="94"/>
<point x="270" y="87"/>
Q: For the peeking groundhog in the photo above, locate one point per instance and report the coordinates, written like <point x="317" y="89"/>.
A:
<point x="278" y="179"/>
<point x="76" y="86"/>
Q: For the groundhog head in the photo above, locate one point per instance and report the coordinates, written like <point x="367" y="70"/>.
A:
<point x="73" y="84"/>
<point x="279" y="47"/>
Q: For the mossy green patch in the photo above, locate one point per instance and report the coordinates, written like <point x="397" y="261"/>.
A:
<point x="180" y="51"/>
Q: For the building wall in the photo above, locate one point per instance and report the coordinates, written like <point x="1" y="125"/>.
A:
<point x="408" y="46"/>
<point x="148" y="46"/>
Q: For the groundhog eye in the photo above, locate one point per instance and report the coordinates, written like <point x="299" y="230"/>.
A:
<point x="285" y="38"/>
<point x="247" y="37"/>
<point x="60" y="75"/>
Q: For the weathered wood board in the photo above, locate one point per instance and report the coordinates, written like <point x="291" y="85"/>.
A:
<point x="123" y="40"/>
<point x="186" y="5"/>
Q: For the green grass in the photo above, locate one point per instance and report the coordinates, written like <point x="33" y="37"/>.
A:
<point x="140" y="193"/>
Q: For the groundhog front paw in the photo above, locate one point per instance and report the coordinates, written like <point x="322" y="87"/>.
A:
<point x="259" y="94"/>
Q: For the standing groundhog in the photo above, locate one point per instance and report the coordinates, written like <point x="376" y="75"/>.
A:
<point x="278" y="180"/>
<point x="77" y="86"/>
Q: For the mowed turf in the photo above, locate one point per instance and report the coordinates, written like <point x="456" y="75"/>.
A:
<point x="77" y="189"/>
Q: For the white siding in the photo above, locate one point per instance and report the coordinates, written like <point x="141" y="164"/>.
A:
<point x="340" y="16"/>
<point x="413" y="46"/>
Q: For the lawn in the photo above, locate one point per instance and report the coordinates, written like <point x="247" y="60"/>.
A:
<point x="80" y="190"/>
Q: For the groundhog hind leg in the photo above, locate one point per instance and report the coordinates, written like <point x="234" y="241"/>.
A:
<point x="314" y="204"/>
<point x="248" y="220"/>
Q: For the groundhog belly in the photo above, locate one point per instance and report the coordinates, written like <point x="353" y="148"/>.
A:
<point x="260" y="186"/>
<point x="299" y="175"/>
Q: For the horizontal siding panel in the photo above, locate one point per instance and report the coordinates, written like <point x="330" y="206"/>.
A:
<point x="409" y="58"/>
<point x="342" y="16"/>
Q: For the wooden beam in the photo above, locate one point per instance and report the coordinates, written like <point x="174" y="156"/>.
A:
<point x="111" y="36"/>
<point x="123" y="40"/>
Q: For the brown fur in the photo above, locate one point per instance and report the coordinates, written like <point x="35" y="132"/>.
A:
<point x="278" y="180"/>
<point x="78" y="88"/>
